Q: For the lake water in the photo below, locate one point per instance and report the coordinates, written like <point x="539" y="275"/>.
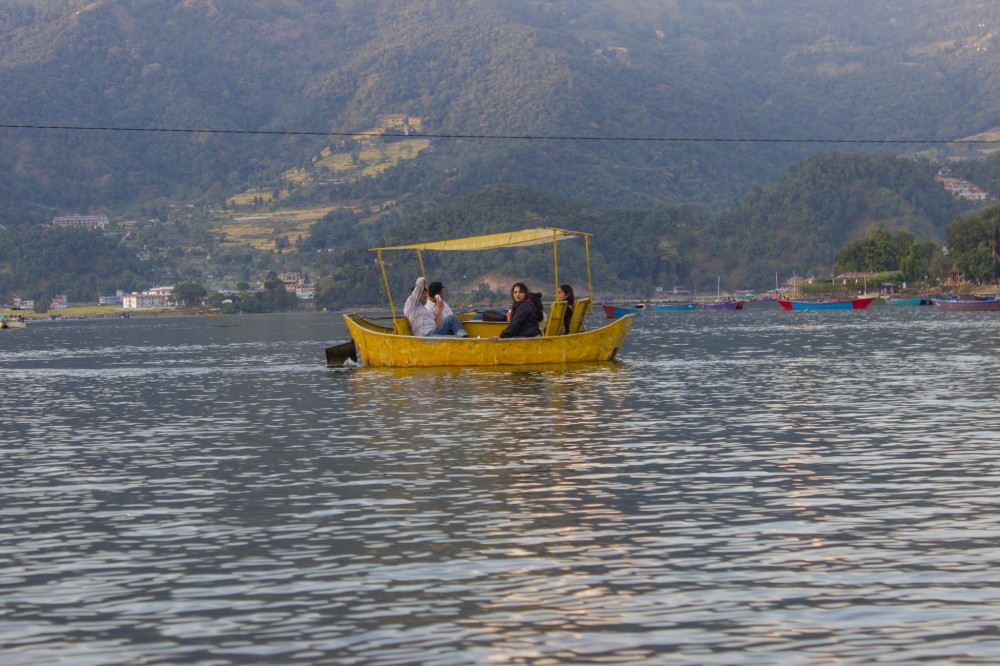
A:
<point x="751" y="487"/>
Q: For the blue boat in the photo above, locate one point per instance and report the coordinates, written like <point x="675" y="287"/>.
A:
<point x="907" y="301"/>
<point x="665" y="307"/>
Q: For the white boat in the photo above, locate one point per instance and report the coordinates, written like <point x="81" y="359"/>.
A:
<point x="12" y="321"/>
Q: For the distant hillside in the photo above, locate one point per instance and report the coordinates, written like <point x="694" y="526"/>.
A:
<point x="794" y="226"/>
<point x="704" y="139"/>
<point x="733" y="93"/>
<point x="42" y="262"/>
<point x="797" y="223"/>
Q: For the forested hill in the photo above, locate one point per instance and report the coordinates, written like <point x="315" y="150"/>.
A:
<point x="793" y="226"/>
<point x="798" y="222"/>
<point x="731" y="92"/>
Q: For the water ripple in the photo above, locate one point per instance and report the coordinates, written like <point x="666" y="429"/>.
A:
<point x="743" y="487"/>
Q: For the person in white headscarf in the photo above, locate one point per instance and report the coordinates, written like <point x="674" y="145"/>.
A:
<point x="422" y="322"/>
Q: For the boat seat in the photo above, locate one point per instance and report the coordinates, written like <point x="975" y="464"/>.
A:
<point x="579" y="312"/>
<point x="402" y="326"/>
<point x="556" y="314"/>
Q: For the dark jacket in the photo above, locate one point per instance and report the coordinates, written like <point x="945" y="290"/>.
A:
<point x="523" y="321"/>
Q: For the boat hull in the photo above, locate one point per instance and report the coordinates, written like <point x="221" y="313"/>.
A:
<point x="856" y="304"/>
<point x="906" y="301"/>
<point x="957" y="305"/>
<point x="613" y="311"/>
<point x="13" y="324"/>
<point x="669" y="307"/>
<point x="723" y="305"/>
<point x="379" y="346"/>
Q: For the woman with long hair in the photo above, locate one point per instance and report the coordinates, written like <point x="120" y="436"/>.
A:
<point x="565" y="293"/>
<point x="524" y="315"/>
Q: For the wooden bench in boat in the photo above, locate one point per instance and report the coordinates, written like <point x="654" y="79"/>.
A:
<point x="555" y="321"/>
<point x="402" y="326"/>
<point x="579" y="312"/>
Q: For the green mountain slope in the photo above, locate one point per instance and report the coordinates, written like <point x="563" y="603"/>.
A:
<point x="796" y="225"/>
<point x="734" y="81"/>
<point x="626" y="111"/>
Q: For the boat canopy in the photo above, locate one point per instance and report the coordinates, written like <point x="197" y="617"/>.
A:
<point x="522" y="238"/>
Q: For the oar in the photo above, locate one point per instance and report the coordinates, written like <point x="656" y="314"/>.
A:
<point x="340" y="352"/>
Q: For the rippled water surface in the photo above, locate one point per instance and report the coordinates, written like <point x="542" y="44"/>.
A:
<point x="750" y="487"/>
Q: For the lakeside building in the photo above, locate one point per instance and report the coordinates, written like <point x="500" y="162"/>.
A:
<point x="81" y="221"/>
<point x="151" y="299"/>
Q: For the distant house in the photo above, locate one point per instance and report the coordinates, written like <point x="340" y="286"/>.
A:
<point x="291" y="280"/>
<point x="151" y="299"/>
<point x="855" y="277"/>
<point x="960" y="188"/>
<point x="81" y="221"/>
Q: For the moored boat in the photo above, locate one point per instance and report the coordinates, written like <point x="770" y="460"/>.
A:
<point x="907" y="301"/>
<point x="668" y="307"/>
<point x="614" y="310"/>
<point x="723" y="305"/>
<point x="953" y="303"/>
<point x="854" y="304"/>
<point x="395" y="346"/>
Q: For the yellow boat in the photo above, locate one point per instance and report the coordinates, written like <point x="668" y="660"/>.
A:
<point x="395" y="346"/>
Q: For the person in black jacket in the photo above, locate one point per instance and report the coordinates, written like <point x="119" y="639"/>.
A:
<point x="565" y="293"/>
<point x="524" y="316"/>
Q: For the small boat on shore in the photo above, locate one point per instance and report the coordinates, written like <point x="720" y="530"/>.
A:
<point x="854" y="304"/>
<point x="956" y="304"/>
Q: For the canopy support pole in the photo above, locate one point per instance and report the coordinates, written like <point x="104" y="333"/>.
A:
<point x="590" y="287"/>
<point x="385" y="279"/>
<point x="555" y="260"/>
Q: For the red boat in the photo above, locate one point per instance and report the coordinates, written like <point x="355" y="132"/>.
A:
<point x="855" y="304"/>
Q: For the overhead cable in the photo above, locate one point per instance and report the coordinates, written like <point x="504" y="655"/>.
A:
<point x="504" y="137"/>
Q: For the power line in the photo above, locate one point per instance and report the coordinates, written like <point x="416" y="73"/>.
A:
<point x="503" y="137"/>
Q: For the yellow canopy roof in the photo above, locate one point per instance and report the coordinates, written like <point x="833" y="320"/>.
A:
<point x="492" y="241"/>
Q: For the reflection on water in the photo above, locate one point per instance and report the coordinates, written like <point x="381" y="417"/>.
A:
<point x="743" y="487"/>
